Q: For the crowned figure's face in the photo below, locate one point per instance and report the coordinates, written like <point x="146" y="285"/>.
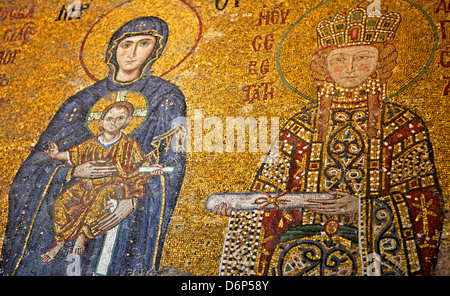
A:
<point x="350" y="66"/>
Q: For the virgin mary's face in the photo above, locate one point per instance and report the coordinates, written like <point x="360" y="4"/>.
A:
<point x="350" y="66"/>
<point x="132" y="52"/>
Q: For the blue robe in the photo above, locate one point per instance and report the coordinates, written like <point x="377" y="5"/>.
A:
<point x="40" y="180"/>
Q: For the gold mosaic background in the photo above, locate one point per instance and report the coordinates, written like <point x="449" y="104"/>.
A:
<point x="47" y="70"/>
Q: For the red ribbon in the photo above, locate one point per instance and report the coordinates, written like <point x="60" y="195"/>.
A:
<point x="267" y="200"/>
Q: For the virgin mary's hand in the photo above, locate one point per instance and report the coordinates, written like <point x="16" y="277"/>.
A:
<point x="94" y="169"/>
<point x="123" y="209"/>
<point x="342" y="204"/>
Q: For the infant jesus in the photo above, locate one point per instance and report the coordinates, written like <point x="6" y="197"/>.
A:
<point x="78" y="210"/>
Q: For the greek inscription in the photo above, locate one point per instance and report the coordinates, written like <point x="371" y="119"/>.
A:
<point x="447" y="87"/>
<point x="222" y="4"/>
<point x="445" y="57"/>
<point x="262" y="69"/>
<point x="277" y="16"/>
<point x="443" y="6"/>
<point x="73" y="11"/>
<point x="258" y="92"/>
<point x="9" y="56"/>
<point x="4" y="81"/>
<point x="264" y="42"/>
<point x="21" y="34"/>
<point x="16" y="13"/>
<point x="445" y="53"/>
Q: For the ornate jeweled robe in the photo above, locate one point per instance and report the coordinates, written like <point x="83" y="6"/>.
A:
<point x="397" y="228"/>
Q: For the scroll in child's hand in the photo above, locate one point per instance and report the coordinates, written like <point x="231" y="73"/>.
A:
<point x="149" y="169"/>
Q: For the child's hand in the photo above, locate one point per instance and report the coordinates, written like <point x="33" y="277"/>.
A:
<point x="52" y="150"/>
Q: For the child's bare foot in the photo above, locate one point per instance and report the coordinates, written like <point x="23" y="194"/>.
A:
<point x="79" y="245"/>
<point x="48" y="256"/>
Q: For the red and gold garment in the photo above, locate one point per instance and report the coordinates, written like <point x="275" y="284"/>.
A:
<point x="82" y="205"/>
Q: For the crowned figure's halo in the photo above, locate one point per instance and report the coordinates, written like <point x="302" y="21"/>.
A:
<point x="138" y="101"/>
<point x="342" y="23"/>
<point x="185" y="29"/>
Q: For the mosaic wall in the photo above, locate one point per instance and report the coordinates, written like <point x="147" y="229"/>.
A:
<point x="225" y="137"/>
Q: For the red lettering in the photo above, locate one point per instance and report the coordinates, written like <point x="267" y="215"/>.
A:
<point x="264" y="16"/>
<point x="284" y="14"/>
<point x="268" y="42"/>
<point x="8" y="57"/>
<point x="253" y="91"/>
<point x="264" y="69"/>
<point x="251" y="68"/>
<point x="3" y="14"/>
<point x="277" y="15"/>
<point x="445" y="55"/>
<point x="255" y="95"/>
<point x="447" y="87"/>
<point x="444" y="36"/>
<point x="16" y="13"/>
<point x="4" y="81"/>
<point x="22" y="34"/>
<point x="274" y="16"/>
<point x="257" y="42"/>
<point x="443" y="6"/>
<point x="7" y="36"/>
<point x="247" y="90"/>
<point x="30" y="12"/>
<point x="267" y="92"/>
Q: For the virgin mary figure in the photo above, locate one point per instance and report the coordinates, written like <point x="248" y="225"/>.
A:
<point x="374" y="158"/>
<point x="140" y="223"/>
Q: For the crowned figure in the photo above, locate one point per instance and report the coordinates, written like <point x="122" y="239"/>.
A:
<point x="382" y="214"/>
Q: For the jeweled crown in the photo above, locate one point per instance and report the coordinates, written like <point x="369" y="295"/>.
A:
<point x="357" y="27"/>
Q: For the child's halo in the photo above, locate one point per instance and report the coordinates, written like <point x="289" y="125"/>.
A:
<point x="140" y="110"/>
